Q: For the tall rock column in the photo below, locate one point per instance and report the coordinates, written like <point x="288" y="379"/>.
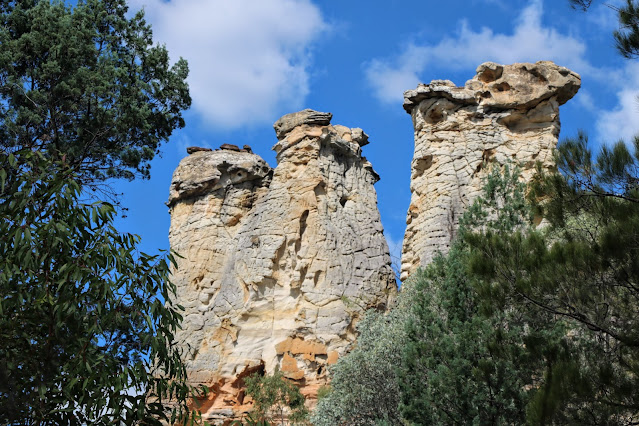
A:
<point x="280" y="264"/>
<point x="506" y="113"/>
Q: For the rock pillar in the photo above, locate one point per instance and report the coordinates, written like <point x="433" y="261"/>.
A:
<point x="506" y="113"/>
<point x="278" y="265"/>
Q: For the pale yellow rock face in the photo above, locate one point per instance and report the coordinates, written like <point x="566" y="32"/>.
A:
<point x="280" y="264"/>
<point x="506" y="113"/>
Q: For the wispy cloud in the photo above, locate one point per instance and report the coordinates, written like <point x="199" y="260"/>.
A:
<point x="622" y="122"/>
<point x="529" y="41"/>
<point x="249" y="59"/>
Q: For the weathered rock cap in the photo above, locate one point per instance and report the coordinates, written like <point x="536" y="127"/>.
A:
<point x="193" y="149"/>
<point x="229" y="147"/>
<point x="205" y="171"/>
<point x="520" y="85"/>
<point x="343" y="139"/>
<point x="308" y="116"/>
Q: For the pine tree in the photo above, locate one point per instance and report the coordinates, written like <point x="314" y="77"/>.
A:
<point x="84" y="81"/>
<point x="582" y="270"/>
<point x="627" y="37"/>
<point x="465" y="361"/>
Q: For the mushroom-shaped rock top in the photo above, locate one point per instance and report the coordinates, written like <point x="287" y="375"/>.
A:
<point x="516" y="86"/>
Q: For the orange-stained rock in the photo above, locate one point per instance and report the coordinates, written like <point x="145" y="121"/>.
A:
<point x="290" y="368"/>
<point x="298" y="346"/>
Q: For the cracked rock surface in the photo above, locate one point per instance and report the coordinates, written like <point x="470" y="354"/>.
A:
<point x="505" y="114"/>
<point x="278" y="264"/>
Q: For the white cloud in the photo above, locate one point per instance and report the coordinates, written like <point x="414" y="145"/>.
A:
<point x="248" y="59"/>
<point x="585" y="99"/>
<point x="529" y="41"/>
<point x="622" y="122"/>
<point x="389" y="80"/>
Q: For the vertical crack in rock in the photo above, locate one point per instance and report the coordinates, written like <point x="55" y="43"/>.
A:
<point x="288" y="258"/>
<point x="506" y="113"/>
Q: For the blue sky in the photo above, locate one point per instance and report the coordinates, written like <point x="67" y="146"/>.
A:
<point x="252" y="61"/>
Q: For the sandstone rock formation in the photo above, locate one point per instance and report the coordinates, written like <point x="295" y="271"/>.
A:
<point x="506" y="113"/>
<point x="278" y="265"/>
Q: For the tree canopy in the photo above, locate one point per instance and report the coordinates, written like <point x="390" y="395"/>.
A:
<point x="582" y="270"/>
<point x="86" y="321"/>
<point x="364" y="387"/>
<point x="86" y="82"/>
<point x="517" y="324"/>
<point x="276" y="400"/>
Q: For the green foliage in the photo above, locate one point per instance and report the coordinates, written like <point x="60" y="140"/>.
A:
<point x="86" y="82"/>
<point x="275" y="400"/>
<point x="86" y="322"/>
<point x="463" y="364"/>
<point x="518" y="324"/>
<point x="435" y="358"/>
<point x="323" y="392"/>
<point x="250" y="420"/>
<point x="583" y="271"/>
<point x="627" y="39"/>
<point x="364" y="387"/>
<point x="459" y="348"/>
<point x="457" y="366"/>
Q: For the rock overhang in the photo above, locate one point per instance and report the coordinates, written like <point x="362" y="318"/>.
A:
<point x="520" y="85"/>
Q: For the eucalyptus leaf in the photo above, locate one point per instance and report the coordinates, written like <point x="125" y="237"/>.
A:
<point x="72" y="339"/>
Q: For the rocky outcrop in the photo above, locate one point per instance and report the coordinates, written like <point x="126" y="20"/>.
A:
<point x="506" y="113"/>
<point x="278" y="265"/>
